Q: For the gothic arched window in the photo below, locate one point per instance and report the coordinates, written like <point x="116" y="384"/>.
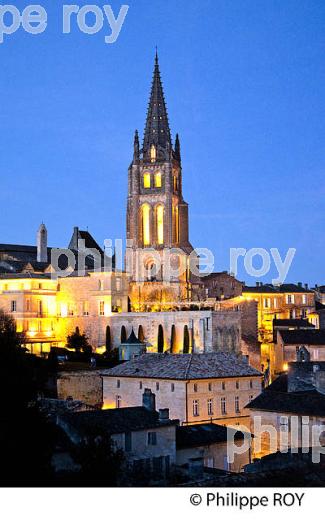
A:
<point x="173" y="340"/>
<point x="146" y="180"/>
<point x="160" y="224"/>
<point x="146" y="210"/>
<point x="158" y="182"/>
<point x="123" y="334"/>
<point x="176" y="223"/>
<point x="160" y="339"/>
<point x="186" y="340"/>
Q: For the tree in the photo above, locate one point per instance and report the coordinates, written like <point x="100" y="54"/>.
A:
<point x="22" y="375"/>
<point x="18" y="370"/>
<point x="100" y="462"/>
<point x="79" y="342"/>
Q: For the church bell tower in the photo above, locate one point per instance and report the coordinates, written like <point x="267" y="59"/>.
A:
<point x="157" y="215"/>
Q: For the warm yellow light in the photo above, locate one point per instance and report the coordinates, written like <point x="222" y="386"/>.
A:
<point x="160" y="224"/>
<point x="146" y="224"/>
<point x="64" y="310"/>
<point x="108" y="406"/>
<point x="176" y="224"/>
<point x="153" y="153"/>
<point x="158" y="180"/>
<point x="285" y="367"/>
<point x="146" y="180"/>
<point x="107" y="308"/>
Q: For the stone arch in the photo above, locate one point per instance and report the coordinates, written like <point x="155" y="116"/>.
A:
<point x="108" y="339"/>
<point x="123" y="334"/>
<point x="173" y="343"/>
<point x="140" y="333"/>
<point x="160" y="339"/>
<point x="186" y="340"/>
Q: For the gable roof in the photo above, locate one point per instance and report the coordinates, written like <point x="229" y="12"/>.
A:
<point x="184" y="366"/>
<point x="303" y="337"/>
<point x="270" y="289"/>
<point x="116" y="420"/>
<point x="310" y="403"/>
<point x="90" y="242"/>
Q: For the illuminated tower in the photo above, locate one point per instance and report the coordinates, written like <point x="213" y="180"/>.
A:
<point x="157" y="215"/>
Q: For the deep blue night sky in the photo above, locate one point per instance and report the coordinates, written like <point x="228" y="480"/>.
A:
<point x="244" y="84"/>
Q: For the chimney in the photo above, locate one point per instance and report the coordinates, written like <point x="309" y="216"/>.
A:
<point x="149" y="400"/>
<point x="299" y="284"/>
<point x="163" y="414"/>
<point x="42" y="244"/>
<point x="306" y="286"/>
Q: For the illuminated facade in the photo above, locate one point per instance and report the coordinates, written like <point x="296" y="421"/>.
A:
<point x="157" y="215"/>
<point x="198" y="388"/>
<point x="47" y="310"/>
<point x="287" y="301"/>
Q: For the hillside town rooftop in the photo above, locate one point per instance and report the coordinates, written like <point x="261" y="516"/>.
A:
<point x="184" y="366"/>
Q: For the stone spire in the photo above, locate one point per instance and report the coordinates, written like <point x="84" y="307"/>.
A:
<point x="177" y="149"/>
<point x="157" y="132"/>
<point x="42" y="243"/>
<point x="136" y="147"/>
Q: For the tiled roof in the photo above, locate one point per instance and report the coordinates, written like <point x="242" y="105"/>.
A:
<point x="270" y="289"/>
<point x="293" y="323"/>
<point x="310" y="403"/>
<point x="116" y="420"/>
<point x="303" y="337"/>
<point x="204" y="435"/>
<point x="184" y="366"/>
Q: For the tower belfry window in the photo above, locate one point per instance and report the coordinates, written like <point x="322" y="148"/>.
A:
<point x="146" y="224"/>
<point x="146" y="180"/>
<point x="157" y="180"/>
<point x="160" y="224"/>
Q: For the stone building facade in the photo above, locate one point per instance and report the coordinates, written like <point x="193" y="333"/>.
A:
<point x="196" y="388"/>
<point x="180" y="332"/>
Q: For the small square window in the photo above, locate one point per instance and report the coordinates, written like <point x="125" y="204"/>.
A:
<point x="195" y="387"/>
<point x="210" y="387"/>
